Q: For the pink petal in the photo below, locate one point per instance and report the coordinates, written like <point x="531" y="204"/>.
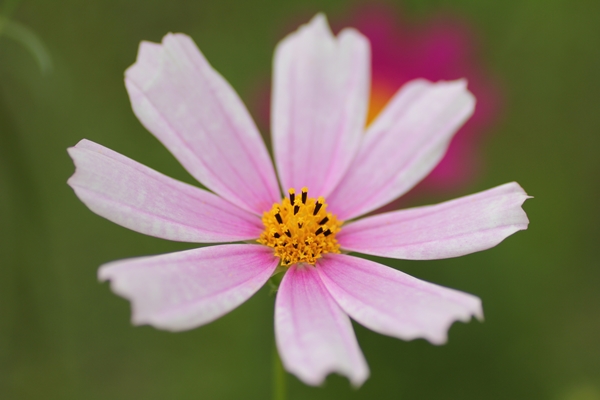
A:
<point x="402" y="145"/>
<point x="451" y="229"/>
<point x="184" y="290"/>
<point x="198" y="116"/>
<point x="394" y="303"/>
<point x="314" y="336"/>
<point x="139" y="198"/>
<point x="320" y="102"/>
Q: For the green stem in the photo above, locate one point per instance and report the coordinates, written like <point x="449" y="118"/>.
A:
<point x="279" y="374"/>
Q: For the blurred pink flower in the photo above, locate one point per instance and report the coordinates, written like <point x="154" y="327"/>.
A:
<point x="443" y="47"/>
<point x="321" y="87"/>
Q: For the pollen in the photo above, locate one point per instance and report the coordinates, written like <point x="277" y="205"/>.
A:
<point x="299" y="229"/>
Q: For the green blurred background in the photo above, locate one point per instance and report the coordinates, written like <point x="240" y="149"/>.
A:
<point x="63" y="335"/>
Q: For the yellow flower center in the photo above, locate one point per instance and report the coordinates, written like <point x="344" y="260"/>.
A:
<point x="300" y="229"/>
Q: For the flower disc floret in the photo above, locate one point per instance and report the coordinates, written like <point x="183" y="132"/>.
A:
<point x="300" y="229"/>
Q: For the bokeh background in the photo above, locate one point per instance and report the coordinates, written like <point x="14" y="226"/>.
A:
<point x="63" y="335"/>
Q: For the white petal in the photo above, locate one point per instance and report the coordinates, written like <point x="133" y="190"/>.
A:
<point x="139" y="198"/>
<point x="404" y="143"/>
<point x="184" y="290"/>
<point x="451" y="229"/>
<point x="198" y="116"/>
<point x="320" y="101"/>
<point x="314" y="336"/>
<point x="394" y="303"/>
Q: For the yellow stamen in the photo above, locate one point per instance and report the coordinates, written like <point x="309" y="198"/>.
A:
<point x="300" y="229"/>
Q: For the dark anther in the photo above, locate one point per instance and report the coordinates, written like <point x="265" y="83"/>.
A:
<point x="278" y="218"/>
<point x="317" y="207"/>
<point x="299" y="225"/>
<point x="296" y="209"/>
<point x="292" y="198"/>
<point x="276" y="235"/>
<point x="295" y="245"/>
<point x="327" y="233"/>
<point x="306" y="242"/>
<point x="304" y="197"/>
<point x="288" y="233"/>
<point x="319" y="231"/>
<point x="324" y="221"/>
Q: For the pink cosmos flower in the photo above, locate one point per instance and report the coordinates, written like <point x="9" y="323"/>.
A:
<point x="443" y="47"/>
<point x="320" y="102"/>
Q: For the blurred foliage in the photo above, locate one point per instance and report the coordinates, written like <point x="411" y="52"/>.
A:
<point x="29" y="40"/>
<point x="24" y="35"/>
<point x="65" y="336"/>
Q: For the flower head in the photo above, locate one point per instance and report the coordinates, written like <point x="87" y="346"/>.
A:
<point x="331" y="171"/>
<point x="300" y="229"/>
<point x="440" y="47"/>
<point x="443" y="47"/>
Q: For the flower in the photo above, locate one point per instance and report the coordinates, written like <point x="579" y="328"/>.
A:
<point x="441" y="47"/>
<point x="332" y="172"/>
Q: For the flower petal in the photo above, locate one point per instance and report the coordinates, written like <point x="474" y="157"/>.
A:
<point x="451" y="229"/>
<point x="184" y="290"/>
<point x="320" y="100"/>
<point x="139" y="198"/>
<point x="394" y="303"/>
<point x="198" y="116"/>
<point x="314" y="336"/>
<point x="404" y="143"/>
